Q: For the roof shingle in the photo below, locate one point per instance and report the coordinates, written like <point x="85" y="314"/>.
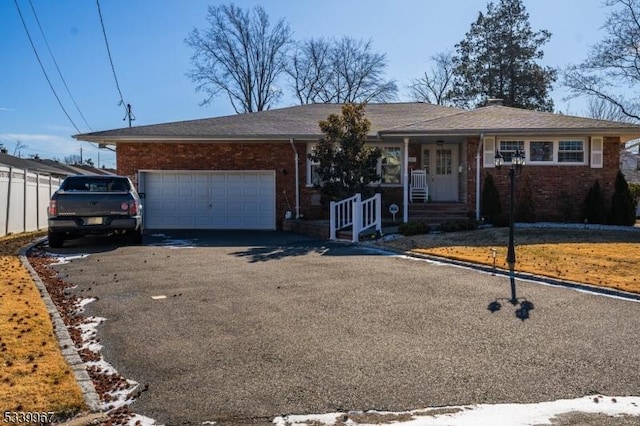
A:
<point x="301" y="122"/>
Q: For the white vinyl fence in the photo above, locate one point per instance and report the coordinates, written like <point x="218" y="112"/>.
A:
<point x="24" y="198"/>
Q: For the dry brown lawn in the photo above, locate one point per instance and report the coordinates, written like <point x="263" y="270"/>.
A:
<point x="605" y="258"/>
<point x="34" y="375"/>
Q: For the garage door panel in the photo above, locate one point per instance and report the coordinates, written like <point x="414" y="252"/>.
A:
<point x="210" y="199"/>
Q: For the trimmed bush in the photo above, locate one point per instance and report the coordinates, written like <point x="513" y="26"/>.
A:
<point x="413" y="228"/>
<point x="623" y="208"/>
<point x="634" y="188"/>
<point x="491" y="206"/>
<point x="594" y="208"/>
<point x="457" y="225"/>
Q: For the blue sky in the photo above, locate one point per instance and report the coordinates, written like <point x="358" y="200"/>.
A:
<point x="146" y="38"/>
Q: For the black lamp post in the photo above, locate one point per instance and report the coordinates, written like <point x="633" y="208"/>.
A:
<point x="517" y="161"/>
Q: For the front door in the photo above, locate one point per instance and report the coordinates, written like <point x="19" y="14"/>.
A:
<point x="441" y="165"/>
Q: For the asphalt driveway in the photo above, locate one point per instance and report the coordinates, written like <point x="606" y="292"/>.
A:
<point x="260" y="324"/>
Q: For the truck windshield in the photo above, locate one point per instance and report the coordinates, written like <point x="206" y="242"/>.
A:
<point x="95" y="185"/>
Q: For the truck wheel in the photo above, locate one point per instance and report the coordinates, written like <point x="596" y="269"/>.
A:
<point x="56" y="239"/>
<point x="136" y="237"/>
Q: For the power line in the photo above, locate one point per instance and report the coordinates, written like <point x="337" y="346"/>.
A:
<point x="113" y="69"/>
<point x="57" y="67"/>
<point x="24" y="24"/>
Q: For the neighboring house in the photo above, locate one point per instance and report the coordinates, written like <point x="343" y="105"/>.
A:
<point x="34" y="165"/>
<point x="247" y="171"/>
<point x="630" y="165"/>
<point x="629" y="158"/>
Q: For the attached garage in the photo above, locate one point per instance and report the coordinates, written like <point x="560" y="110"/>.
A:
<point x="209" y="199"/>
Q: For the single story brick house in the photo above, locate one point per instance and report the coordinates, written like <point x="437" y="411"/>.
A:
<point x="249" y="171"/>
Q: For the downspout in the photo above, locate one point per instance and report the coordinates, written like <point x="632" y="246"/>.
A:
<point x="405" y="185"/>
<point x="478" y="160"/>
<point x="297" y="162"/>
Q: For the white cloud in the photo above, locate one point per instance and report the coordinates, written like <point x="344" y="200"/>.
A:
<point x="7" y="109"/>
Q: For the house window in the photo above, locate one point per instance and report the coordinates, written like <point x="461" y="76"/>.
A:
<point x="508" y="148"/>
<point x="313" y="173"/>
<point x="548" y="151"/>
<point x="540" y="151"/>
<point x="312" y="167"/>
<point x="444" y="159"/>
<point x="570" y="151"/>
<point x="390" y="165"/>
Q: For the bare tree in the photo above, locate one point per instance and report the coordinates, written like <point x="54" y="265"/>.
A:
<point x="613" y="65"/>
<point x="602" y="109"/>
<point x="240" y="55"/>
<point x="310" y="69"/>
<point x="435" y="85"/>
<point x="17" y="147"/>
<point x="342" y="71"/>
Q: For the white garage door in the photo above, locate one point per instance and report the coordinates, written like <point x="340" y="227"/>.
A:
<point x="209" y="200"/>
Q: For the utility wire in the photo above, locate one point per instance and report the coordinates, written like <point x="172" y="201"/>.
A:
<point x="104" y="32"/>
<point x="24" y="24"/>
<point x="57" y="67"/>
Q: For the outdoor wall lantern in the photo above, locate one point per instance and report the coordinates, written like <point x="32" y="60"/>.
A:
<point x="517" y="161"/>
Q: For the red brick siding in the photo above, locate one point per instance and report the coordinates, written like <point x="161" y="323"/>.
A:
<point x="550" y="182"/>
<point x="278" y="156"/>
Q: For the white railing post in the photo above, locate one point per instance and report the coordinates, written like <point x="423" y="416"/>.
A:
<point x="332" y="220"/>
<point x="378" y="213"/>
<point x="356" y="210"/>
<point x="360" y="215"/>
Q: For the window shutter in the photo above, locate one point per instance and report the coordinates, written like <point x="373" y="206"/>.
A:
<point x="489" y="144"/>
<point x="597" y="152"/>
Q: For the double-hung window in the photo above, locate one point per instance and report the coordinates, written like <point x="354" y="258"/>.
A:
<point x="546" y="151"/>
<point x="571" y="151"/>
<point x="509" y="147"/>
<point x="390" y="165"/>
<point x="313" y="178"/>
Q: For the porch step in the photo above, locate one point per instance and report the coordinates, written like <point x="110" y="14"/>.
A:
<point x="437" y="212"/>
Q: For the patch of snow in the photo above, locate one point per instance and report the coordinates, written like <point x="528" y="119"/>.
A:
<point x="119" y="396"/>
<point x="62" y="259"/>
<point x="138" y="420"/>
<point x="174" y="243"/>
<point x="489" y="414"/>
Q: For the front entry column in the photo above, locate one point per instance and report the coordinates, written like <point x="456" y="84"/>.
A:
<point x="405" y="192"/>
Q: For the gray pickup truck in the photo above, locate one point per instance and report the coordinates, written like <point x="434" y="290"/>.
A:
<point x="94" y="205"/>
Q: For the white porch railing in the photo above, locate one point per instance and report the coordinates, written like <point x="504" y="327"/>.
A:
<point x="360" y="215"/>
